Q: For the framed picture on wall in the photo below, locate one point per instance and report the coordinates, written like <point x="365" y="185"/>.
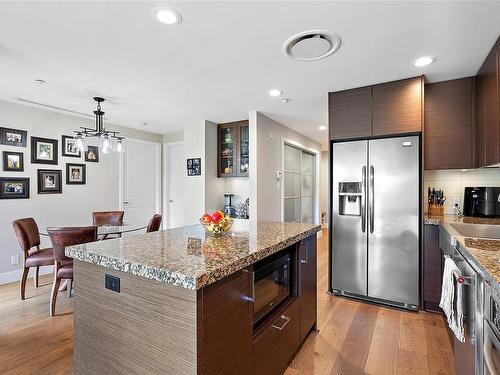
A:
<point x="68" y="145"/>
<point x="14" y="188"/>
<point x="13" y="161"/>
<point x="92" y="154"/>
<point x="76" y="174"/>
<point x="49" y="181"/>
<point x="194" y="167"/>
<point x="13" y="137"/>
<point x="43" y="150"/>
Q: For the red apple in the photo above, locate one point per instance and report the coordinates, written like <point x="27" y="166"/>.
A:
<point x="206" y="218"/>
<point x="217" y="217"/>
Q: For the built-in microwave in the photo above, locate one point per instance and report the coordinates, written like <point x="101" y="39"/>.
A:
<point x="271" y="285"/>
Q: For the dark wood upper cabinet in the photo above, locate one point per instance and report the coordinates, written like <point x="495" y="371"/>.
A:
<point x="397" y="107"/>
<point x="350" y="113"/>
<point x="233" y="149"/>
<point x="488" y="110"/>
<point x="448" y="129"/>
<point x="386" y="109"/>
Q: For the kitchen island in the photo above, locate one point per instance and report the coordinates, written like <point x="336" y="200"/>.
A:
<point x="181" y="302"/>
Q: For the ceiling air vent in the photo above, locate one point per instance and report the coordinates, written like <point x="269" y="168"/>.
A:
<point x="311" y="45"/>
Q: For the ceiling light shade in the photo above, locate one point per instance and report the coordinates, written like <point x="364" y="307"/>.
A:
<point x="322" y="127"/>
<point x="423" y="61"/>
<point x="275" y="92"/>
<point x="166" y="16"/>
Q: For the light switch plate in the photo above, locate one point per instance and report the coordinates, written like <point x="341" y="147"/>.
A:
<point x="455" y="202"/>
<point x="14" y="259"/>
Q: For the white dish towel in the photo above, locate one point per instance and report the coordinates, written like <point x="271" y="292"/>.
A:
<point x="451" y="299"/>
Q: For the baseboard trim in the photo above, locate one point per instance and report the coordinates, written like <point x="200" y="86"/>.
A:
<point x="15" y="276"/>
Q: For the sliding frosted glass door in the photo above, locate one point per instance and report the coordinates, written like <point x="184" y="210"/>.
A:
<point x="298" y="185"/>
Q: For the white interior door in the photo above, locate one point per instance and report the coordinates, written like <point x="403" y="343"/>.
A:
<point x="177" y="180"/>
<point x="140" y="180"/>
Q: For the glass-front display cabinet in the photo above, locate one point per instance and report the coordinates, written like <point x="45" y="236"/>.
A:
<point x="233" y="147"/>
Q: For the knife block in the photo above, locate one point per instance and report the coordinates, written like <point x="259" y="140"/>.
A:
<point x="435" y="210"/>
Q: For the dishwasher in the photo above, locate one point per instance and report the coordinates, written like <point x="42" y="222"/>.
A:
<point x="491" y="333"/>
<point x="468" y="354"/>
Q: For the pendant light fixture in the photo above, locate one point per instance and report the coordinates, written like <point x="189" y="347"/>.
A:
<point x="109" y="140"/>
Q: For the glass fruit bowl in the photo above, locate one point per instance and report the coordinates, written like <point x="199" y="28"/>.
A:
<point x="218" y="228"/>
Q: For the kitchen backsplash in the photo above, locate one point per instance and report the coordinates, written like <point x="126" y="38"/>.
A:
<point x="453" y="183"/>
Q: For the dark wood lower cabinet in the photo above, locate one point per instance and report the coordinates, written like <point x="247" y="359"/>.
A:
<point x="308" y="285"/>
<point x="433" y="268"/>
<point x="275" y="345"/>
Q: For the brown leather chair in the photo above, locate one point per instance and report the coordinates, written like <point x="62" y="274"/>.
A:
<point x="29" y="239"/>
<point x="154" y="224"/>
<point x="63" y="266"/>
<point x="107" y="217"/>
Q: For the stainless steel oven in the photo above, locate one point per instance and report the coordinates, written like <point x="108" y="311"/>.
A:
<point x="491" y="333"/>
<point x="271" y="285"/>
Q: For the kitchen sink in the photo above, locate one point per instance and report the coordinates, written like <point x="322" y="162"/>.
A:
<point x="477" y="230"/>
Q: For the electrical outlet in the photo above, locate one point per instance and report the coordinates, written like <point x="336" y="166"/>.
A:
<point x="455" y="202"/>
<point x="14" y="259"/>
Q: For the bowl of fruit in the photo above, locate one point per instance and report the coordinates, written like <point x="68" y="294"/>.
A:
<point x="216" y="224"/>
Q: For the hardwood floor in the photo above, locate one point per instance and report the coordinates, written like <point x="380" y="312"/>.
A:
<point x="354" y="338"/>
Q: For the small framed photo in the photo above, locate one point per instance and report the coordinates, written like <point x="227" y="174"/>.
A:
<point x="76" y="174"/>
<point x="13" y="161"/>
<point x="43" y="150"/>
<point x="92" y="154"/>
<point x="194" y="167"/>
<point x="49" y="181"/>
<point x="14" y="188"/>
<point x="69" y="147"/>
<point x="13" y="137"/>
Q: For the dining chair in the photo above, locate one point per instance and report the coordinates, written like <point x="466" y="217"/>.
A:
<point x="63" y="266"/>
<point x="29" y="239"/>
<point x="154" y="224"/>
<point x="107" y="217"/>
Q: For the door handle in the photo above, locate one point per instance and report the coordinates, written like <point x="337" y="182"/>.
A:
<point x="280" y="328"/>
<point x="171" y="200"/>
<point x="126" y="202"/>
<point x="363" y="199"/>
<point x="371" y="199"/>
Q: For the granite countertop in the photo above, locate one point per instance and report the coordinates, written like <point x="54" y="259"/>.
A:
<point x="187" y="256"/>
<point x="482" y="253"/>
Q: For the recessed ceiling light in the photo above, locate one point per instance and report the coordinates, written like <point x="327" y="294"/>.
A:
<point x="322" y="127"/>
<point x="40" y="81"/>
<point x="285" y="100"/>
<point x="423" y="61"/>
<point x="275" y="92"/>
<point x="166" y="16"/>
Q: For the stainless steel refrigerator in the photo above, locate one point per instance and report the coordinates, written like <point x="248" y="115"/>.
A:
<point x="375" y="220"/>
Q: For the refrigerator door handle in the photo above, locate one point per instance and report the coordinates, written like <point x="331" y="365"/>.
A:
<point x="371" y="206"/>
<point x="363" y="200"/>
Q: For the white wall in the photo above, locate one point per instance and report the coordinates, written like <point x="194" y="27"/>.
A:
<point x="214" y="187"/>
<point x="266" y="157"/>
<point x="76" y="203"/>
<point x="454" y="182"/>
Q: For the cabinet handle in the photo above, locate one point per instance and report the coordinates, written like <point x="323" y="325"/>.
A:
<point x="280" y="328"/>
<point x="305" y="261"/>
<point x="252" y="276"/>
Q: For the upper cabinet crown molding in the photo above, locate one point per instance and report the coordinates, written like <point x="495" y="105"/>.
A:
<point x="386" y="109"/>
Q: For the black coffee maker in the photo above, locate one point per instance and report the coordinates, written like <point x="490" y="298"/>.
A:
<point x="482" y="201"/>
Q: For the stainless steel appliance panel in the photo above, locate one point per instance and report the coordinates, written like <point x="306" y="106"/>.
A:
<point x="349" y="232"/>
<point x="393" y="219"/>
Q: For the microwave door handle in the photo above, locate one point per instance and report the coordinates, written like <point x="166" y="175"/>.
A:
<point x="363" y="199"/>
<point x="488" y="357"/>
<point x="372" y="198"/>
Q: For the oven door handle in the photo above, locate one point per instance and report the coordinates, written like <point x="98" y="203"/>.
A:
<point x="487" y="350"/>
<point x="280" y="328"/>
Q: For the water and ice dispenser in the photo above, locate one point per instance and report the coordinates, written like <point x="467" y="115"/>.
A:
<point x="350" y="198"/>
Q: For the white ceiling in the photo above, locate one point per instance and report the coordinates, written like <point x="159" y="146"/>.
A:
<point x="220" y="61"/>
